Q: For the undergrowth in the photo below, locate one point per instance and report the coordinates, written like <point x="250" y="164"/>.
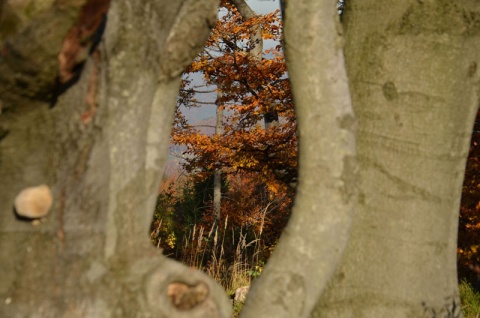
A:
<point x="470" y="300"/>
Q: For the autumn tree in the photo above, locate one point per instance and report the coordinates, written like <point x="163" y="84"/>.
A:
<point x="250" y="87"/>
<point x="255" y="133"/>
<point x="413" y="78"/>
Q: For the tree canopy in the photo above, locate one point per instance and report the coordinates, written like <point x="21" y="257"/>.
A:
<point x="248" y="89"/>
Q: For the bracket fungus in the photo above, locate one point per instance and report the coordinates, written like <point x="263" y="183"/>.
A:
<point x="34" y="202"/>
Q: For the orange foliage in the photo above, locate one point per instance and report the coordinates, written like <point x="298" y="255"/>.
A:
<point x="258" y="164"/>
<point x="469" y="222"/>
<point x="251" y="206"/>
<point x="250" y="89"/>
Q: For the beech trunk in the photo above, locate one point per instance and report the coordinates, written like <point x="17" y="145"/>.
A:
<point x="101" y="150"/>
<point x="412" y="67"/>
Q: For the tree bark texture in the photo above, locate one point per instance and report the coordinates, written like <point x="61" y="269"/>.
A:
<point x="413" y="69"/>
<point x="312" y="243"/>
<point x="413" y="72"/>
<point x="101" y="150"/>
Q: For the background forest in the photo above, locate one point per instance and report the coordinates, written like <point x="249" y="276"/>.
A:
<point x="227" y="193"/>
<point x="225" y="208"/>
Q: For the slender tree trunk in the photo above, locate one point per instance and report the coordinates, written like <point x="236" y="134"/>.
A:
<point x="415" y="82"/>
<point x="91" y="256"/>
<point x="217" y="177"/>
<point x="313" y="241"/>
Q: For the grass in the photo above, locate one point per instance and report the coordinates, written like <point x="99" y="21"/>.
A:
<point x="206" y="251"/>
<point x="237" y="308"/>
<point x="232" y="265"/>
<point x="470" y="300"/>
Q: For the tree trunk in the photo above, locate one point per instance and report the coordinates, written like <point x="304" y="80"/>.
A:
<point x="412" y="66"/>
<point x="217" y="177"/>
<point x="313" y="241"/>
<point x="101" y="150"/>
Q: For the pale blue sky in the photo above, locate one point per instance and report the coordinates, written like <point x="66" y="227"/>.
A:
<point x="264" y="6"/>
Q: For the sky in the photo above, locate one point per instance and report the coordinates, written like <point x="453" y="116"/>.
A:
<point x="264" y="6"/>
<point x="204" y="112"/>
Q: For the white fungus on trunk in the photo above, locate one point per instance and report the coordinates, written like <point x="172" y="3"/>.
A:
<point x="34" y="202"/>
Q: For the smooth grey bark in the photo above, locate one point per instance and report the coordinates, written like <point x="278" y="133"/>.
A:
<point x="413" y="71"/>
<point x="313" y="241"/>
<point x="91" y="257"/>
